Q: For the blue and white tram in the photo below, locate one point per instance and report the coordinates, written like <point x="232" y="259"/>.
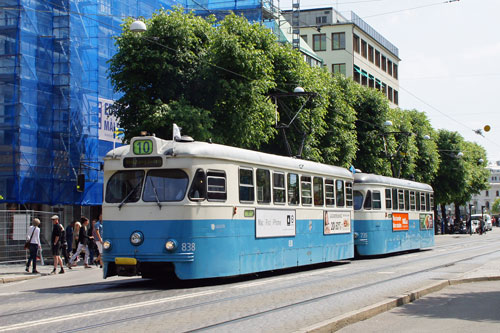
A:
<point x="202" y="210"/>
<point x="391" y="215"/>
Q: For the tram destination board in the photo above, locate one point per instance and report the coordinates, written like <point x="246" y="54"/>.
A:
<point x="143" y="162"/>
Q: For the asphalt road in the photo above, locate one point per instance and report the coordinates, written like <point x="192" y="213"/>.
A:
<point x="284" y="301"/>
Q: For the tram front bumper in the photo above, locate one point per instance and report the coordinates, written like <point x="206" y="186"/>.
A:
<point x="126" y="266"/>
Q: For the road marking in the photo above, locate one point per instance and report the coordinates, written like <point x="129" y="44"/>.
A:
<point x="105" y="310"/>
<point x="385" y="272"/>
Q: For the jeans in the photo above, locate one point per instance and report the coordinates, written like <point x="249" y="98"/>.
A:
<point x="33" y="253"/>
<point x="78" y="250"/>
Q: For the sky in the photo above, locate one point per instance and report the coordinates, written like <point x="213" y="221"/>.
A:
<point x="450" y="59"/>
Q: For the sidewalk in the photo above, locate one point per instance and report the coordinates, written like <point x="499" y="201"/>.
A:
<point x="16" y="272"/>
<point x="462" y="292"/>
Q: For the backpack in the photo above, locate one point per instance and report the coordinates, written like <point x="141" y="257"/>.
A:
<point x="63" y="236"/>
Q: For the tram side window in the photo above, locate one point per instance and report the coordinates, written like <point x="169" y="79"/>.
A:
<point x="428" y="202"/>
<point x="431" y="202"/>
<point x="368" y="200"/>
<point x="401" y="199"/>
<point x="388" y="201"/>
<point x="216" y="185"/>
<point x="412" y="200"/>
<point x="279" y="188"/>
<point x="407" y="200"/>
<point x="293" y="189"/>
<point x="377" y="200"/>
<point x="124" y="186"/>
<point x="165" y="185"/>
<point x="318" y="191"/>
<point x="340" y="193"/>
<point x="348" y="194"/>
<point x="247" y="193"/>
<point x="358" y="200"/>
<point x="417" y="197"/>
<point x="197" y="192"/>
<point x="263" y="186"/>
<point x="394" y="199"/>
<point x="305" y="182"/>
<point x="422" y="202"/>
<point x="329" y="193"/>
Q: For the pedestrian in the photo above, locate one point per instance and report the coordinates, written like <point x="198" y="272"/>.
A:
<point x="91" y="244"/>
<point x="83" y="241"/>
<point x="69" y="237"/>
<point x="98" y="238"/>
<point x="56" y="244"/>
<point x="64" y="245"/>
<point x="76" y="232"/>
<point x="33" y="236"/>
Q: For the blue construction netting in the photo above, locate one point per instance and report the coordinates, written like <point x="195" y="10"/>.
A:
<point x="54" y="91"/>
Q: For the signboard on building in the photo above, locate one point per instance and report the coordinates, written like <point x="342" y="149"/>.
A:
<point x="107" y="122"/>
<point x="400" y="222"/>
<point x="337" y="223"/>
<point x="274" y="223"/>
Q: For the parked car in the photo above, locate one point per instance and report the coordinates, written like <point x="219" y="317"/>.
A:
<point x="487" y="221"/>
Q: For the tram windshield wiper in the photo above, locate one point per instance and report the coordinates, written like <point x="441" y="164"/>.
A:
<point x="129" y="194"/>
<point x="156" y="192"/>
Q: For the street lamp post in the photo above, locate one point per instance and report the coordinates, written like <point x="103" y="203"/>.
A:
<point x="396" y="173"/>
<point x="470" y="218"/>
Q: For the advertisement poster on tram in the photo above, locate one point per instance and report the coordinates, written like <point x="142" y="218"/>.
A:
<point x="337" y="223"/>
<point x="426" y="222"/>
<point x="400" y="222"/>
<point x="274" y="223"/>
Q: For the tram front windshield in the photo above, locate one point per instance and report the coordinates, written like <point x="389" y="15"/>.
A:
<point x="124" y="186"/>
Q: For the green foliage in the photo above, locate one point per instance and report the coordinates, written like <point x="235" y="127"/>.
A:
<point x="372" y="110"/>
<point x="495" y="208"/>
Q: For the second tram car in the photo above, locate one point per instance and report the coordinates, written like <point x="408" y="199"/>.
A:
<point x="391" y="215"/>
<point x="201" y="210"/>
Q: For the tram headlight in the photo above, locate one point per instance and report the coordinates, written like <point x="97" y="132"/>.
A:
<point x="171" y="245"/>
<point x="107" y="244"/>
<point x="136" y="238"/>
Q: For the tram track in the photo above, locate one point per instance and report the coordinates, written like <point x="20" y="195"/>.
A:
<point x="317" y="278"/>
<point x="271" y="310"/>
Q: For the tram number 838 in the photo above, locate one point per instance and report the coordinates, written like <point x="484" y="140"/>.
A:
<point x="188" y="247"/>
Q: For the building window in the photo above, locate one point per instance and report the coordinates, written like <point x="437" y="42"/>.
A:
<point x="384" y="63"/>
<point x="487" y="193"/>
<point x="389" y="67"/>
<point x="364" y="48"/>
<point x="497" y="193"/>
<point x="364" y="78"/>
<point x="377" y="58"/>
<point x="338" y="41"/>
<point x="371" y="81"/>
<point x="384" y="88"/>
<point x="487" y="205"/>
<point x="355" y="43"/>
<point x="395" y="71"/>
<point x="339" y="68"/>
<point x="304" y="38"/>
<point x="370" y="53"/>
<point x="319" y="42"/>
<point x="356" y="74"/>
<point x="377" y="84"/>
<point x="389" y="94"/>
<point x="396" y="97"/>
<point x="320" y="19"/>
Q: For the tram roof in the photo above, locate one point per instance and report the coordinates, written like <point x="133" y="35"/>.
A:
<point x="369" y="178"/>
<point x="228" y="153"/>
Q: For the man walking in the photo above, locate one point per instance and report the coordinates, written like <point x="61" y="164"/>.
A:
<point x="83" y="240"/>
<point x="56" y="244"/>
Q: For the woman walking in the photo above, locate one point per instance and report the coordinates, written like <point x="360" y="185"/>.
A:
<point x="33" y="236"/>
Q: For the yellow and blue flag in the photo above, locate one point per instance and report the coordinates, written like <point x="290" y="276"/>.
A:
<point x="119" y="133"/>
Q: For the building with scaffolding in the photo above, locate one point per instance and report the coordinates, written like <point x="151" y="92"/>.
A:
<point x="54" y="93"/>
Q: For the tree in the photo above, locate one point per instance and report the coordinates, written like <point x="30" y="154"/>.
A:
<point x="427" y="157"/>
<point x="372" y="110"/>
<point x="495" y="208"/>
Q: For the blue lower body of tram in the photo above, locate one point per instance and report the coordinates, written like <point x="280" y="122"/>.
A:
<point x="216" y="248"/>
<point x="376" y="237"/>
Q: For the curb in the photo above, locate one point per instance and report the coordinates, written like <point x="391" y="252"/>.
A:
<point x="336" y="323"/>
<point x="18" y="278"/>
